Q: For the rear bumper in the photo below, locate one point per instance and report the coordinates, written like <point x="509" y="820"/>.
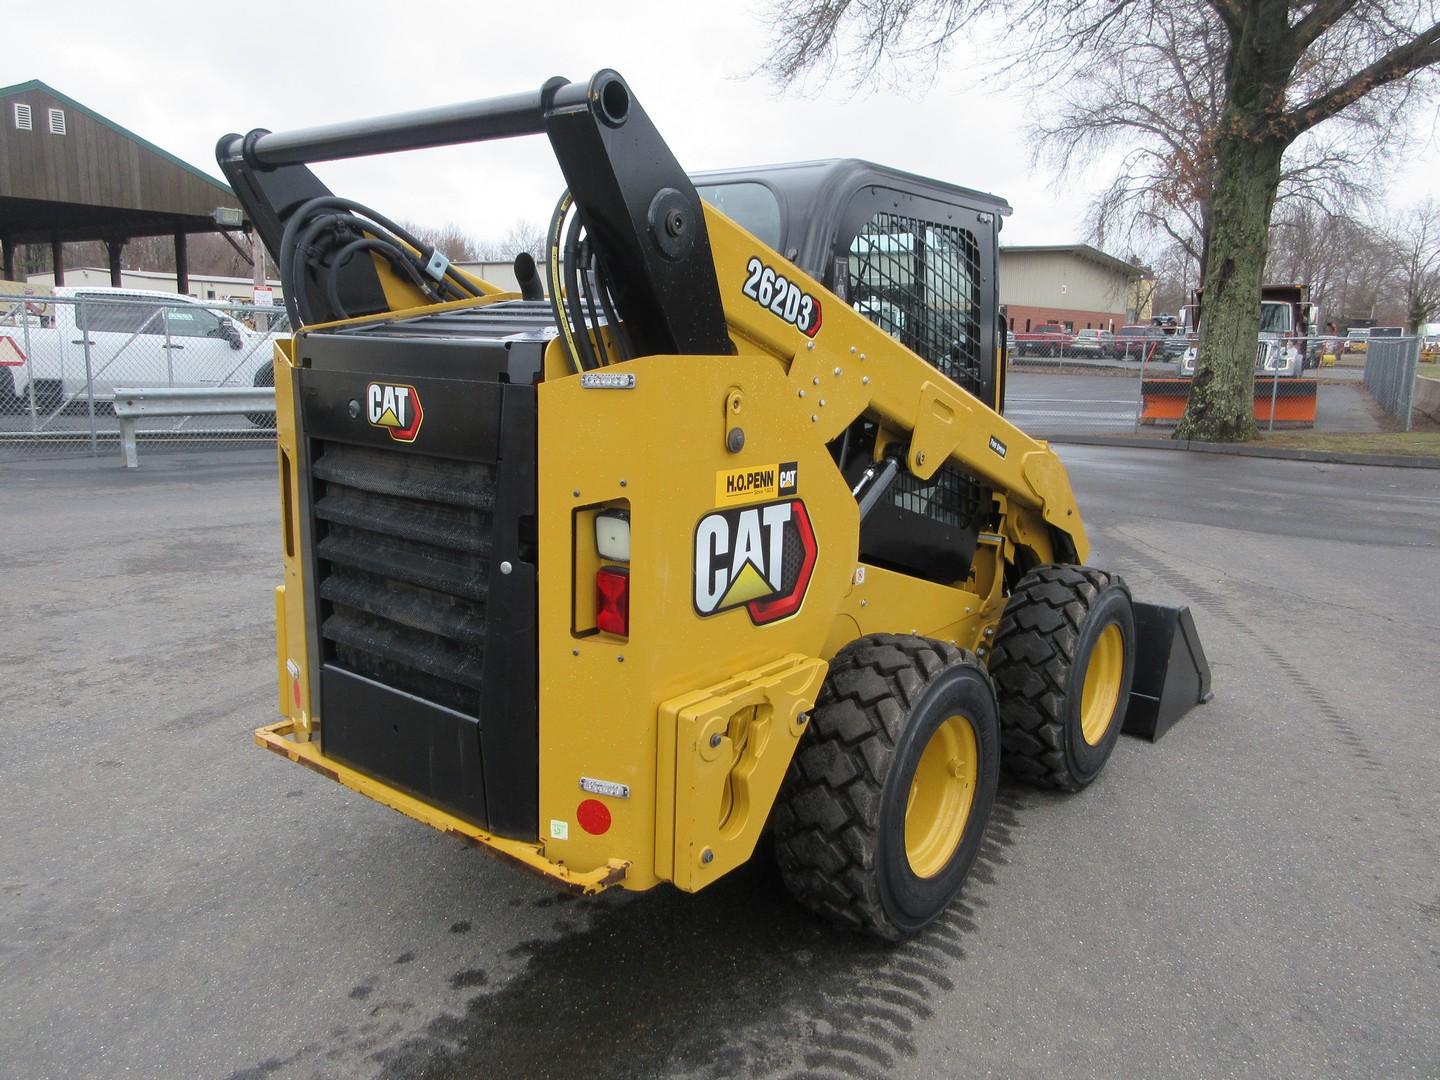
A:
<point x="275" y="738"/>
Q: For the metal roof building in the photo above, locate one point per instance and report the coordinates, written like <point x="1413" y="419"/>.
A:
<point x="69" y="174"/>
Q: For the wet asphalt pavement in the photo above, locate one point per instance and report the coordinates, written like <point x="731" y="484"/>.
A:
<point x="1053" y="404"/>
<point x="1256" y="895"/>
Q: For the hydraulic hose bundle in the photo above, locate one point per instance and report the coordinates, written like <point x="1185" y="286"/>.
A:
<point x="577" y="283"/>
<point x="324" y="234"/>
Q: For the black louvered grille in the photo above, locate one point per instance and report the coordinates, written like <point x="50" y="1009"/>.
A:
<point x="403" y="545"/>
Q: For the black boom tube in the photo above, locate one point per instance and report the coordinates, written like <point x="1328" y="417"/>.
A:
<point x="446" y="125"/>
<point x="620" y="172"/>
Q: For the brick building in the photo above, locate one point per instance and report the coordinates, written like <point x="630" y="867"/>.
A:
<point x="1076" y="285"/>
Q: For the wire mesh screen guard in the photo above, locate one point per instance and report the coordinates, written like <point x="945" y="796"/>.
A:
<point x="920" y="282"/>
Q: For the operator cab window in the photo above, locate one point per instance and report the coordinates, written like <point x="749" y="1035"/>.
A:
<point x="919" y="281"/>
<point x="750" y="205"/>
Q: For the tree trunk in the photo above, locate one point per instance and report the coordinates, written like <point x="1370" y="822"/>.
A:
<point x="1247" y="177"/>
<point x="1248" y="148"/>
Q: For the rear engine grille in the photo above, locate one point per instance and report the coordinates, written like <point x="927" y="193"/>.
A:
<point x="403" y="546"/>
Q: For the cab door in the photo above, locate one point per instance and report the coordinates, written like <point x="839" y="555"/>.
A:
<point x="924" y="271"/>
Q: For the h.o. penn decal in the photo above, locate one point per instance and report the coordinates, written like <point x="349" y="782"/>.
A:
<point x="755" y="483"/>
<point x="759" y="558"/>
<point x="396" y="408"/>
<point x="997" y="446"/>
<point x="781" y="296"/>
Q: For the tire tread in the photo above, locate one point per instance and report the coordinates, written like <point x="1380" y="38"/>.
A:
<point x="1030" y="662"/>
<point x="827" y="816"/>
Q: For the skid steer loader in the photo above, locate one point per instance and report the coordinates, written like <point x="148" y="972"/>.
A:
<point x="717" y="528"/>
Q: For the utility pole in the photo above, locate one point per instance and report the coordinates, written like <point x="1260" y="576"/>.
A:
<point x="257" y="266"/>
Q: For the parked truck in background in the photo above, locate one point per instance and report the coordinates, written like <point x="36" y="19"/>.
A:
<point x="75" y="342"/>
<point x="1045" y="339"/>
<point x="1287" y="319"/>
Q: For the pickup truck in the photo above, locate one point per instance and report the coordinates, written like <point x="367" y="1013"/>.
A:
<point x="132" y="338"/>
<point x="1097" y="343"/>
<point x="1046" y="339"/>
<point x="1135" y="340"/>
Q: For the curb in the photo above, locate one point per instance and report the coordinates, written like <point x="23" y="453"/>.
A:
<point x="1328" y="457"/>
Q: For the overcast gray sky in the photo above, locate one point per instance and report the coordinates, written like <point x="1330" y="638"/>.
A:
<point x="181" y="75"/>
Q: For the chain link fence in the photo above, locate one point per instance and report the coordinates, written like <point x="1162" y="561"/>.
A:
<point x="1391" y="365"/>
<point x="62" y="359"/>
<point x="1099" y="383"/>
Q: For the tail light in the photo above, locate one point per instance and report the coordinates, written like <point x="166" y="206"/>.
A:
<point x="612" y="600"/>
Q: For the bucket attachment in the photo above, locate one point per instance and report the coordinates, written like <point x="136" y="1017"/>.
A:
<point x="1171" y="672"/>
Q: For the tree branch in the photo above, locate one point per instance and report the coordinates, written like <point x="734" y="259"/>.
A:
<point x="1320" y="18"/>
<point x="1421" y="51"/>
<point x="1230" y="15"/>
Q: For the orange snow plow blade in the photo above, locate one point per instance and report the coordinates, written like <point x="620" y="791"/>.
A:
<point x="1162" y="401"/>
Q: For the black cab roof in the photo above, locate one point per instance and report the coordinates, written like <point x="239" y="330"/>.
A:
<point x="812" y="196"/>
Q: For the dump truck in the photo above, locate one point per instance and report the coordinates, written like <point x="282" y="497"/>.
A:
<point x="1283" y="351"/>
<point x="1287" y="320"/>
<point x="674" y="546"/>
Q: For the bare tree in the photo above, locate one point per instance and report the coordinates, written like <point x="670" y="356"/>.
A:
<point x="1416" y="240"/>
<point x="449" y="239"/>
<point x="1176" y="274"/>
<point x="1283" y="69"/>
<point x="1161" y="100"/>
<point x="1348" y="263"/>
<point x="520" y="236"/>
<point x="1317" y="248"/>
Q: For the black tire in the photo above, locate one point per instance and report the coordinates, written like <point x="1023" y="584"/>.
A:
<point x="264" y="377"/>
<point x="1041" y="656"/>
<point x="49" y="395"/>
<point x="839" y="824"/>
<point x="9" y="400"/>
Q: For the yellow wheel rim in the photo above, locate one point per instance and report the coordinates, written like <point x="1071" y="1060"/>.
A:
<point x="941" y="792"/>
<point x="1101" y="692"/>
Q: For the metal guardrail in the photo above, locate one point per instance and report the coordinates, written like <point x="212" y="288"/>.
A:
<point x="134" y="403"/>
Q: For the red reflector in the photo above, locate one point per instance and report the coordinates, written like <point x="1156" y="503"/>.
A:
<point x="593" y="816"/>
<point x="612" y="600"/>
<point x="295" y="692"/>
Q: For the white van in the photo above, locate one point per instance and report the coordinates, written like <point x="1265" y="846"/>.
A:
<point x="121" y="337"/>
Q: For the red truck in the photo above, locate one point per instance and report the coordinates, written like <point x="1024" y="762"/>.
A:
<point x="1045" y="339"/>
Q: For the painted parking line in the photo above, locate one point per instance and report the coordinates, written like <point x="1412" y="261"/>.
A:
<point x="1073" y="415"/>
<point x="1073" y="400"/>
